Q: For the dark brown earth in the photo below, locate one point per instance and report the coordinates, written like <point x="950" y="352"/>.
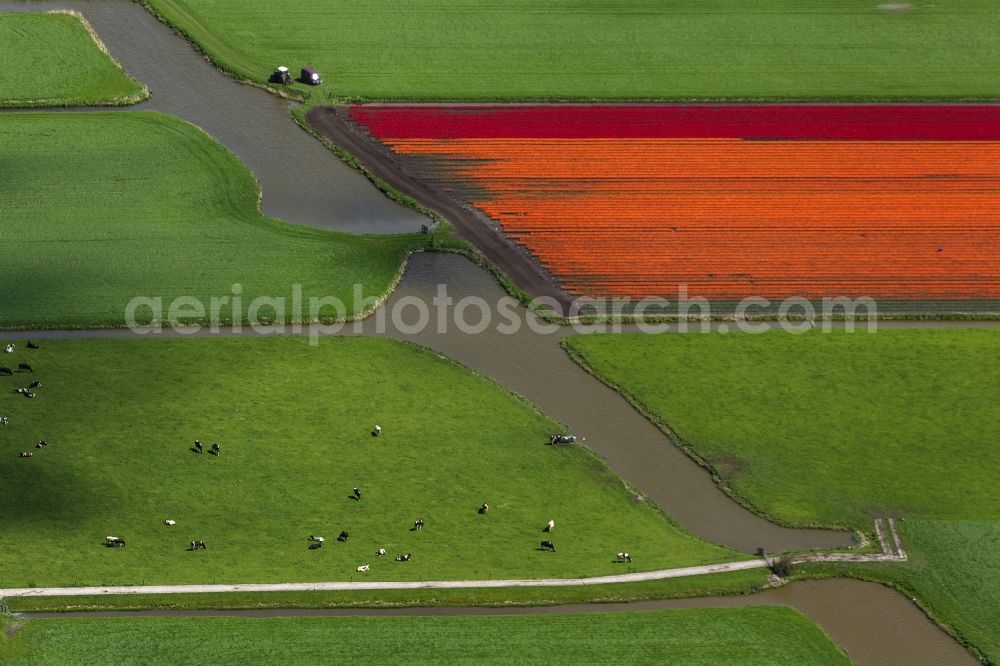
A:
<point x="470" y="224"/>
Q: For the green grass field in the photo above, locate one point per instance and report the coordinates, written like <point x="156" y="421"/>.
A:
<point x="686" y="49"/>
<point x="903" y="421"/>
<point x="51" y="60"/>
<point x="747" y="636"/>
<point x="98" y="208"/>
<point x="293" y="420"/>
<point x="833" y="428"/>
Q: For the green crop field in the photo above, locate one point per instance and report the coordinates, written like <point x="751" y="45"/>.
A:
<point x="99" y="208"/>
<point x="52" y="60"/>
<point x="294" y="420"/>
<point x="834" y="428"/>
<point x="685" y="49"/>
<point x="747" y="636"/>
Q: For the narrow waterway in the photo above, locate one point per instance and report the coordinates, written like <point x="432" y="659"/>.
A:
<point x="873" y="624"/>
<point x="302" y="181"/>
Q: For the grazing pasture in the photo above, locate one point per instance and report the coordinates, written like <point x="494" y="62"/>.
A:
<point x="680" y="50"/>
<point x="293" y="424"/>
<point x="98" y="208"/>
<point x="831" y="429"/>
<point x="52" y="60"/>
<point x="894" y="203"/>
<point x="746" y="636"/>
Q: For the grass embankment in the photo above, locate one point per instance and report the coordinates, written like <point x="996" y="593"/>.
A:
<point x="770" y="635"/>
<point x="293" y="421"/>
<point x="692" y="49"/>
<point x="56" y="60"/>
<point x="830" y="429"/>
<point x="98" y="208"/>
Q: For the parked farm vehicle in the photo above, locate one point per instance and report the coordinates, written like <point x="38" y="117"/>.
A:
<point x="281" y="75"/>
<point x="310" y="76"/>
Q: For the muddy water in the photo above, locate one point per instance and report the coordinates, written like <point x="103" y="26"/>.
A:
<point x="871" y="623"/>
<point x="535" y="366"/>
<point x="302" y="181"/>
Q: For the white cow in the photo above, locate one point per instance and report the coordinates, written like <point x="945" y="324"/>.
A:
<point x="9" y="349"/>
<point x="549" y="526"/>
<point x="169" y="523"/>
<point x="624" y="557"/>
<point x="316" y="539"/>
<point x="380" y="552"/>
<point x="363" y="568"/>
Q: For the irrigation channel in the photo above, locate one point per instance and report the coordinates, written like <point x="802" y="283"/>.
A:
<point x="304" y="183"/>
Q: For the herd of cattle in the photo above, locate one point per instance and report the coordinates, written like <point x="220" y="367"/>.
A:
<point x="315" y="541"/>
<point x="27" y="392"/>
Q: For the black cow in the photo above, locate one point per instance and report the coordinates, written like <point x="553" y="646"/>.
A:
<point x="24" y="367"/>
<point x="4" y="420"/>
<point x="6" y="372"/>
<point x="35" y="385"/>
<point x="25" y="454"/>
<point x="418" y="524"/>
<point x="484" y="508"/>
<point x="215" y="449"/>
<point x="357" y="494"/>
<point x="198" y="545"/>
<point x="548" y="545"/>
<point x="403" y="558"/>
<point x="198" y="447"/>
<point x="41" y="444"/>
<point x="32" y="345"/>
<point x="344" y="536"/>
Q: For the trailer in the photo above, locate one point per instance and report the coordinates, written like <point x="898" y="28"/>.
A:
<point x="310" y="76"/>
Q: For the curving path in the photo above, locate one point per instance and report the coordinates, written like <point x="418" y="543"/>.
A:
<point x="887" y="555"/>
